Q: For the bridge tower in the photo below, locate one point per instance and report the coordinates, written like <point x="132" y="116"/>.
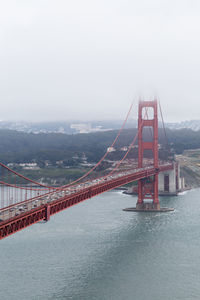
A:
<point x="148" y="187"/>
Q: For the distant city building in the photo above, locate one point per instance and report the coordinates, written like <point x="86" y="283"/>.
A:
<point x="59" y="162"/>
<point x="29" y="166"/>
<point x="47" y="163"/>
<point x="84" y="158"/>
<point x="75" y="157"/>
<point x="61" y="130"/>
<point x="81" y="128"/>
<point x="86" y="128"/>
<point x="111" y="149"/>
<point x="125" y="148"/>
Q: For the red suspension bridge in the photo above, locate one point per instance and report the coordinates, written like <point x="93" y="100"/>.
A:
<point x="25" y="201"/>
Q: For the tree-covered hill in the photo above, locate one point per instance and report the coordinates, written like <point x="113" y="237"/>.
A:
<point x="25" y="147"/>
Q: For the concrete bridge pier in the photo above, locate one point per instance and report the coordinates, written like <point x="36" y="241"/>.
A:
<point x="168" y="185"/>
<point x="169" y="181"/>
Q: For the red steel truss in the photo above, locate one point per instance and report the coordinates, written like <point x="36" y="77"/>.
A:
<point x="148" y="187"/>
<point x="44" y="212"/>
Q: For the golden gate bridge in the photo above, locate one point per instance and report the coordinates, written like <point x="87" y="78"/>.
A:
<point x="25" y="202"/>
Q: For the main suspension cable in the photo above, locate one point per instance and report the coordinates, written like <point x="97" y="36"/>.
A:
<point x="75" y="181"/>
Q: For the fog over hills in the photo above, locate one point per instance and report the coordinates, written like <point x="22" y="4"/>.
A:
<point x="78" y="126"/>
<point x="190" y="124"/>
<point x="67" y="127"/>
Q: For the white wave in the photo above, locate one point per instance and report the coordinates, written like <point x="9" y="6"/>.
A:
<point x="182" y="193"/>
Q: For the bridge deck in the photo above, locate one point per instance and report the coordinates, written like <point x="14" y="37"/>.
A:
<point x="26" y="213"/>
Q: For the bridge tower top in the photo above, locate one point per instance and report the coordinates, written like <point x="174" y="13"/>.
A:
<point x="143" y="121"/>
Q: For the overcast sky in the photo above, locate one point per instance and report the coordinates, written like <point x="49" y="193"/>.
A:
<point x="75" y="59"/>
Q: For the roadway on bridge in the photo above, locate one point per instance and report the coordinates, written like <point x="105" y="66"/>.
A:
<point x="28" y="205"/>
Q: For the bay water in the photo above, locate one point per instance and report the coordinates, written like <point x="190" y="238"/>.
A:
<point x="97" y="251"/>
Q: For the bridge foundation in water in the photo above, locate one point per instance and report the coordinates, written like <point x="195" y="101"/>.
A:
<point x="148" y="207"/>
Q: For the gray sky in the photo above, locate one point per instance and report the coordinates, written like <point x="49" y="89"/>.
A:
<point x="76" y="59"/>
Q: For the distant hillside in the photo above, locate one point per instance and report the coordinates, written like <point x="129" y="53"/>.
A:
<point x="192" y="124"/>
<point x="67" y="127"/>
<point x="25" y="147"/>
<point x="77" y="126"/>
